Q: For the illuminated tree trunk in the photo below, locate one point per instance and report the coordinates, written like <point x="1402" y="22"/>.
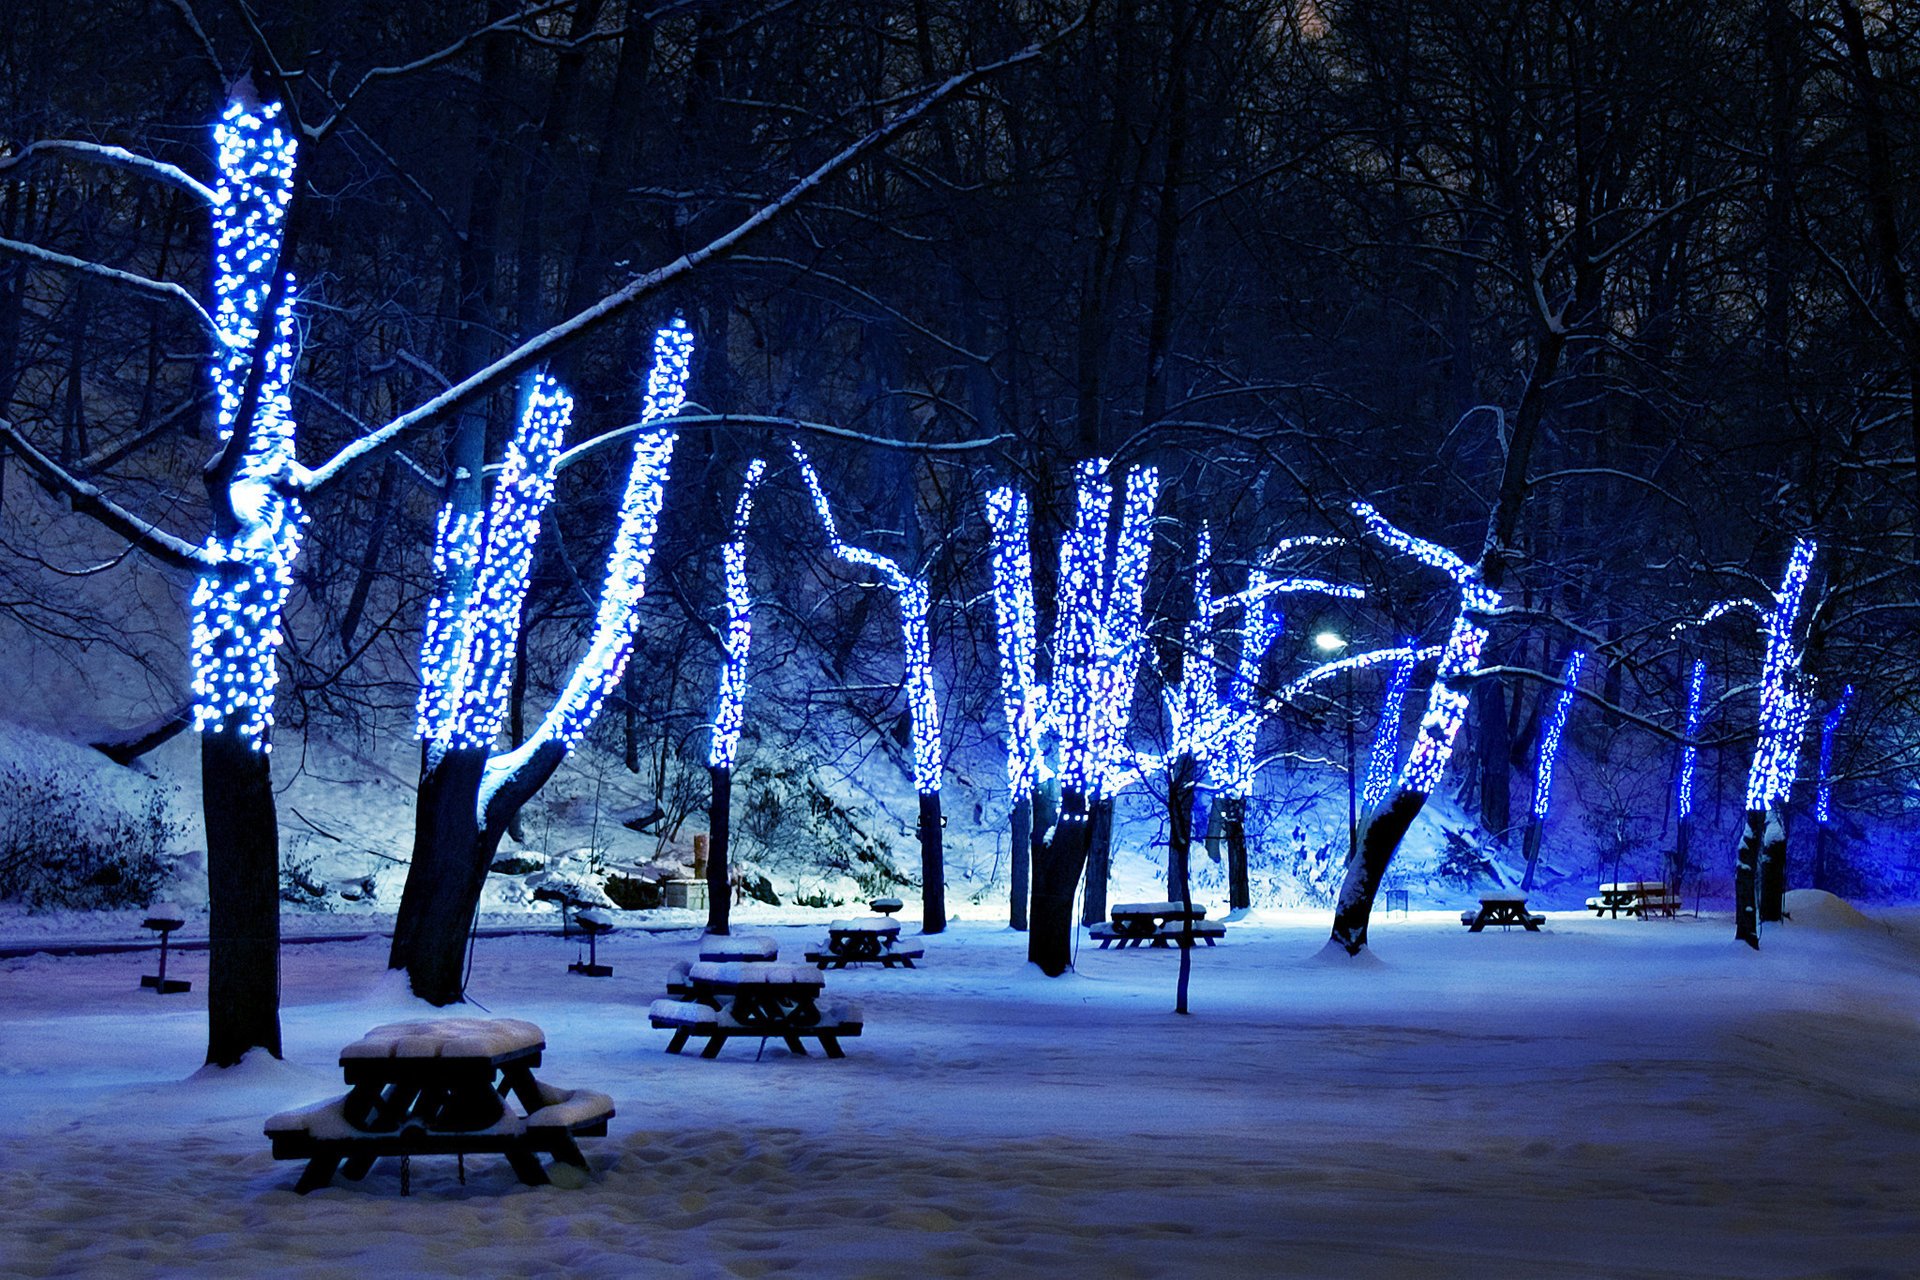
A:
<point x="719" y="877"/>
<point x="1056" y="873"/>
<point x="1234" y="819"/>
<point x="243" y="898"/>
<point x="1020" y="836"/>
<point x="933" y="882"/>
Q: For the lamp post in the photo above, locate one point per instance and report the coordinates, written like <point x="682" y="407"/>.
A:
<point x="1330" y="643"/>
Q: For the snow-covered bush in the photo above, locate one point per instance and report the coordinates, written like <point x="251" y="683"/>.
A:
<point x="70" y="845"/>
<point x="801" y="832"/>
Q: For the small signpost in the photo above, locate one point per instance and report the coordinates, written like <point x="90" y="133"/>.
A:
<point x="163" y="919"/>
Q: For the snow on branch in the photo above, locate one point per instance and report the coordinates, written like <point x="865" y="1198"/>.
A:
<point x="916" y="647"/>
<point x="163" y="290"/>
<point x="87" y="499"/>
<point x="114" y="157"/>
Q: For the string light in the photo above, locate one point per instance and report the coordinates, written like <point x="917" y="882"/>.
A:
<point x="1196" y="699"/>
<point x="1385" y="751"/>
<point x="478" y="685"/>
<point x="1080" y="599"/>
<point x="1690" y="753"/>
<point x="1785" y="699"/>
<point x="1823" y="790"/>
<point x="611" y="645"/>
<point x="456" y="555"/>
<point x="731" y="710"/>
<point x="911" y="593"/>
<point x="1447" y="699"/>
<point x="236" y="607"/>
<point x="1551" y="732"/>
<point x="1122" y="628"/>
<point x="1017" y="634"/>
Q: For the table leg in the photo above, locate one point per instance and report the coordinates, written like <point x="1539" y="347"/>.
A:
<point x="714" y="1042"/>
<point x="527" y="1166"/>
<point x="318" y="1173"/>
<point x="679" y="1040"/>
<point x="1479" y="923"/>
<point x="357" y="1167"/>
<point x="519" y="1078"/>
<point x="793" y="1043"/>
<point x="832" y="1045"/>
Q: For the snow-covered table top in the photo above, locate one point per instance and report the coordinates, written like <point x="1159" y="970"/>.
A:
<point x="867" y="925"/>
<point x="742" y="973"/>
<point x="1157" y="909"/>
<point x="1503" y="897"/>
<point x="744" y="946"/>
<point x="1635" y="886"/>
<point x="447" y="1038"/>
<point x="887" y="906"/>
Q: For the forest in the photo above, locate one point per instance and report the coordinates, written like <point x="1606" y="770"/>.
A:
<point x="1540" y="341"/>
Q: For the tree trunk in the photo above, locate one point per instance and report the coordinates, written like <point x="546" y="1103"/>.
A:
<point x="1682" y="837"/>
<point x="1773" y="869"/>
<point x="1179" y="825"/>
<point x="1099" y="860"/>
<point x="1757" y="847"/>
<point x="719" y="825"/>
<point x="1056" y="872"/>
<point x="1234" y="819"/>
<point x="1495" y="748"/>
<point x="933" y="869"/>
<point x="1530" y="847"/>
<point x="1021" y="838"/>
<point x="1381" y="835"/>
<point x="243" y="899"/>
<point x="443" y="887"/>
<point x="1821" y="876"/>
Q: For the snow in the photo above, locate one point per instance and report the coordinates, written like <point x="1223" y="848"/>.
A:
<point x="1606" y="1098"/>
<point x="447" y="1038"/>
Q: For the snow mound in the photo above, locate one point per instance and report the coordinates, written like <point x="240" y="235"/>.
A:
<point x="1334" y="956"/>
<point x="1823" y="910"/>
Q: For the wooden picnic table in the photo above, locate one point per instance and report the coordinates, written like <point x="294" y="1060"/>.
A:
<point x="757" y="999"/>
<point x="1643" y="898"/>
<point x="1503" y="909"/>
<point x="439" y="1087"/>
<point x="1139" y="922"/>
<point x="865" y="941"/>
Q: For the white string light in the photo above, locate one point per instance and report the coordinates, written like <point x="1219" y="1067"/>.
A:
<point x="1552" y="731"/>
<point x="236" y="607"/>
<point x="911" y="593"/>
<point x="731" y="710"/>
<point x="1785" y="698"/>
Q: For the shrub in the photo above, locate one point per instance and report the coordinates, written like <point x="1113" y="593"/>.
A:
<point x="63" y="845"/>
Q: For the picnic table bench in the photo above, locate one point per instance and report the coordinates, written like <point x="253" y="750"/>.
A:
<point x="439" y="1087"/>
<point x="1137" y="924"/>
<point x="1503" y="909"/>
<point x="754" y="998"/>
<point x="1643" y="898"/>
<point x="865" y="942"/>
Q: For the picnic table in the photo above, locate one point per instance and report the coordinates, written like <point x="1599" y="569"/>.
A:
<point x="439" y="1087"/>
<point x="726" y="998"/>
<point x="1643" y="898"/>
<point x="864" y="941"/>
<point x="1136" y="924"/>
<point x="1503" y="909"/>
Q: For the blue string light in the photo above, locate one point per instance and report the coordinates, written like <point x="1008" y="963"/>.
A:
<point x="1823" y="791"/>
<point x="1195" y="701"/>
<point x="617" y="616"/>
<point x="1447" y="699"/>
<point x="1551" y="732"/>
<point x="1785" y="695"/>
<point x="911" y="594"/>
<point x="731" y="710"/>
<point x="1017" y="635"/>
<point x="1690" y="752"/>
<point x="236" y="607"/>
<point x="1385" y="752"/>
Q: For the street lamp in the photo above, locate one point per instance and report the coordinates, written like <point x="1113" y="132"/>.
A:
<point x="1331" y="642"/>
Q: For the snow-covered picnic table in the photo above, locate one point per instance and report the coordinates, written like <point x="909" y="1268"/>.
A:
<point x="1503" y="909"/>
<point x="1643" y="898"/>
<point x="1135" y="924"/>
<point x="438" y="1087"/>
<point x="867" y="940"/>
<point x="754" y="997"/>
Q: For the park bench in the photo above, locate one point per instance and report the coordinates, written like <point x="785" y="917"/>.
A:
<point x="429" y="1088"/>
<point x="1503" y="909"/>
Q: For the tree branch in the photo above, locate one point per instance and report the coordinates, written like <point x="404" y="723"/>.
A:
<point x="86" y="499"/>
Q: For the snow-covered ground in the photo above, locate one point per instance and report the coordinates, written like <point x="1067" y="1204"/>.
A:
<point x="1606" y="1098"/>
